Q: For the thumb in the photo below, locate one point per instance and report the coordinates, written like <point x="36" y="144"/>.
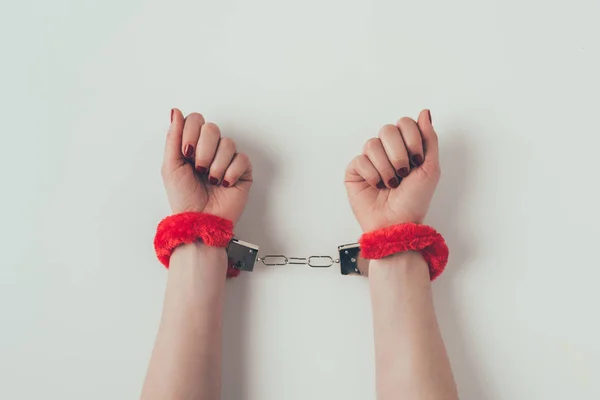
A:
<point x="173" y="158"/>
<point x="431" y="164"/>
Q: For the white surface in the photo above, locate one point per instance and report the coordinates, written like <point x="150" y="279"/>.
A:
<point x="86" y="89"/>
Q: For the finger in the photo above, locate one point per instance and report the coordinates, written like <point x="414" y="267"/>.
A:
<point x="374" y="150"/>
<point x="207" y="147"/>
<point x="412" y="139"/>
<point x="223" y="157"/>
<point x="361" y="169"/>
<point x="240" y="169"/>
<point x="430" y="138"/>
<point x="191" y="133"/>
<point x="173" y="158"/>
<point x="393" y="144"/>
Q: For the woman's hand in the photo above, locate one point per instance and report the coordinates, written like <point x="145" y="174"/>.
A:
<point x="202" y="171"/>
<point x="394" y="179"/>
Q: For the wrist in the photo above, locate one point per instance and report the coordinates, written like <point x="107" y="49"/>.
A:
<point x="407" y="265"/>
<point x="199" y="255"/>
<point x="196" y="282"/>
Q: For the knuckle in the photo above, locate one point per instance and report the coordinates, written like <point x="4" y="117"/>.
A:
<point x="406" y="121"/>
<point x="360" y="161"/>
<point x="227" y="143"/>
<point x="371" y="144"/>
<point x="351" y="165"/>
<point x="244" y="159"/>
<point x="357" y="163"/>
<point x="387" y="131"/>
<point x="211" y="128"/>
<point x="195" y="117"/>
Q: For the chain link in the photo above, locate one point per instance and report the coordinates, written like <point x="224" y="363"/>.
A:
<point x="272" y="260"/>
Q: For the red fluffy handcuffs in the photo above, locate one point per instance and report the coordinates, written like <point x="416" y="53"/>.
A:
<point x="405" y="237"/>
<point x="211" y="230"/>
<point x="190" y="227"/>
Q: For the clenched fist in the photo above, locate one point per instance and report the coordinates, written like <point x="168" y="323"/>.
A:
<point x="202" y="171"/>
<point x="394" y="179"/>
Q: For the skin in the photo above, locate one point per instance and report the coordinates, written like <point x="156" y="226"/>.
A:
<point x="186" y="361"/>
<point x="393" y="182"/>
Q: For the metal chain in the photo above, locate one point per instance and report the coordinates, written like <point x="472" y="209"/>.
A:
<point x="312" y="261"/>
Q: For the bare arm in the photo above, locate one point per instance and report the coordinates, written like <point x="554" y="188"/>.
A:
<point x="410" y="357"/>
<point x="186" y="361"/>
<point x="201" y="173"/>
<point x="392" y="182"/>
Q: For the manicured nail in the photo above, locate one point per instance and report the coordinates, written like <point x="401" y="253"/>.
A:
<point x="213" y="180"/>
<point x="393" y="183"/>
<point x="417" y="159"/>
<point x="172" y="111"/>
<point x="429" y="115"/>
<point x="403" y="172"/>
<point x="201" y="170"/>
<point x="380" y="185"/>
<point x="225" y="183"/>
<point x="189" y="150"/>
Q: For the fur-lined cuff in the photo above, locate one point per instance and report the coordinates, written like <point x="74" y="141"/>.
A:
<point x="405" y="237"/>
<point x="190" y="227"/>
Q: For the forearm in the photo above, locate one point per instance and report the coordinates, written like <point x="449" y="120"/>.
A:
<point x="186" y="361"/>
<point x="411" y="360"/>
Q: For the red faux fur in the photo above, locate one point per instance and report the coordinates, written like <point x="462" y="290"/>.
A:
<point x="405" y="237"/>
<point x="189" y="227"/>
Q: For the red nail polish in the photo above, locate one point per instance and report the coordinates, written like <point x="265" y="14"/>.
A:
<point x="225" y="183"/>
<point x="403" y="172"/>
<point x="417" y="159"/>
<point x="201" y="170"/>
<point x="380" y="185"/>
<point x="213" y="180"/>
<point x="393" y="183"/>
<point x="189" y="150"/>
<point x="172" y="111"/>
<point x="429" y="115"/>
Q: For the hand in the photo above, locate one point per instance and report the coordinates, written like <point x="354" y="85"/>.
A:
<point x="201" y="170"/>
<point x="394" y="179"/>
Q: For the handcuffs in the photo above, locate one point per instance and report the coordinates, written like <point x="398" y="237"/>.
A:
<point x="215" y="231"/>
<point x="244" y="256"/>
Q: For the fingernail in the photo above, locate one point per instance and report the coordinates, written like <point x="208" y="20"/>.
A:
<point x="213" y="180"/>
<point x="417" y="159"/>
<point x="201" y="170"/>
<point x="189" y="150"/>
<point x="172" y="111"/>
<point x="225" y="183"/>
<point x="380" y="185"/>
<point x="429" y="115"/>
<point x="403" y="172"/>
<point x="393" y="183"/>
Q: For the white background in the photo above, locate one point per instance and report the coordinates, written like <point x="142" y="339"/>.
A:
<point x="86" y="89"/>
